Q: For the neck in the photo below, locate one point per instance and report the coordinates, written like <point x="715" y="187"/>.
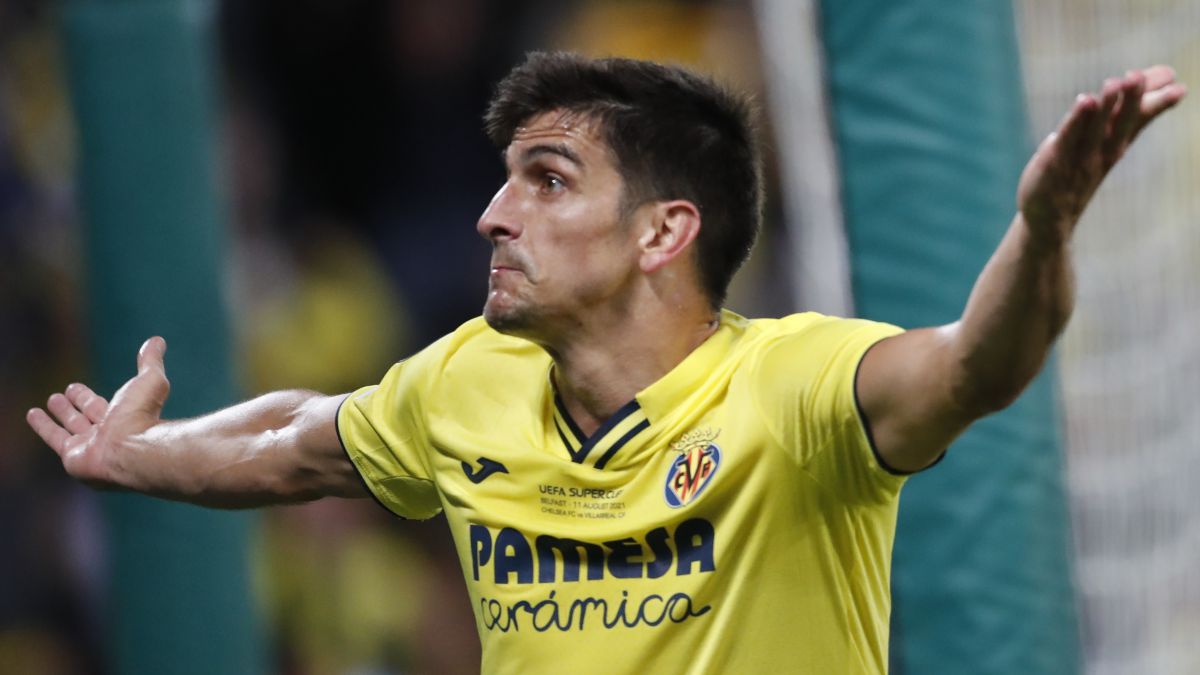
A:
<point x="603" y="366"/>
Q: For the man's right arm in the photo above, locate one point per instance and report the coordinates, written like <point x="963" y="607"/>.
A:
<point x="279" y="448"/>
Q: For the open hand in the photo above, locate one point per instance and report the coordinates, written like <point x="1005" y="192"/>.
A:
<point x="1069" y="165"/>
<point x="93" y="436"/>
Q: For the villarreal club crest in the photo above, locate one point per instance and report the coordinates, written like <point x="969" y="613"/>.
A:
<point x="694" y="468"/>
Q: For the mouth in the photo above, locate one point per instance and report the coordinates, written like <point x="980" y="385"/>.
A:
<point x="505" y="263"/>
<point x="505" y="266"/>
<point x="503" y="276"/>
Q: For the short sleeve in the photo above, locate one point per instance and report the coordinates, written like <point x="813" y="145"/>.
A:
<point x="384" y="432"/>
<point x="807" y="393"/>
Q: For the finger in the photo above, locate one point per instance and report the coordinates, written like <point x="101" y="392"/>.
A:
<point x="1125" y="121"/>
<point x="89" y="402"/>
<point x="1093" y="135"/>
<point x="1159" y="100"/>
<point x="1110" y="95"/>
<point x="52" y="434"/>
<point x="70" y="418"/>
<point x="1075" y="122"/>
<point x="1158" y="76"/>
<point x="1132" y="89"/>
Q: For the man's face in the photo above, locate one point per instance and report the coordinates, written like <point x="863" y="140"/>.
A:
<point x="560" y="248"/>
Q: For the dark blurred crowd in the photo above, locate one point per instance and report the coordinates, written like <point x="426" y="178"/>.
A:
<point x="355" y="167"/>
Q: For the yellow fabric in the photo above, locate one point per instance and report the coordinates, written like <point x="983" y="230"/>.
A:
<point x="774" y="556"/>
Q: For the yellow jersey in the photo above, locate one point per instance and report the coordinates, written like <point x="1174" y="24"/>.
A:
<point x="732" y="518"/>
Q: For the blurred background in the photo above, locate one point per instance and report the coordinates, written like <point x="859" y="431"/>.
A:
<point x="349" y="167"/>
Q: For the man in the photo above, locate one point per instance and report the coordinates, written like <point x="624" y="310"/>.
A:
<point x="637" y="480"/>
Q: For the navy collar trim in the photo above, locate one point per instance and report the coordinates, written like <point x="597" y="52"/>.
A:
<point x="583" y="445"/>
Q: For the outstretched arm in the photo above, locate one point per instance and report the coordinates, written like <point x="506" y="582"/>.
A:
<point x="279" y="448"/>
<point x="921" y="389"/>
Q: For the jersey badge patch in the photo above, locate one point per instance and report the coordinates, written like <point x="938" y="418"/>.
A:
<point x="694" y="468"/>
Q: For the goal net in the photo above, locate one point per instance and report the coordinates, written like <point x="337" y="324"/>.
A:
<point x="1130" y="360"/>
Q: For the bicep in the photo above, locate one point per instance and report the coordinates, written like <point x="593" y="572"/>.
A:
<point x="908" y="388"/>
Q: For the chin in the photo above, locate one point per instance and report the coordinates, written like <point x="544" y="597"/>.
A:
<point x="507" y="319"/>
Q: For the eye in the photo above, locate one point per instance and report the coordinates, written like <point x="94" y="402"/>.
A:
<point x="552" y="183"/>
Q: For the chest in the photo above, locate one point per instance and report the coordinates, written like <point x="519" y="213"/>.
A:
<point x="527" y="507"/>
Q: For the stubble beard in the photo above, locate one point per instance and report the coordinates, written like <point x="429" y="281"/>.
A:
<point x="508" y="315"/>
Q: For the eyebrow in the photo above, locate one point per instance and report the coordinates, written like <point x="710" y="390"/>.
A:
<point x="560" y="149"/>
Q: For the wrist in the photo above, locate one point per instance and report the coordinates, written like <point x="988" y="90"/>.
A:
<point x="1044" y="237"/>
<point x="145" y="464"/>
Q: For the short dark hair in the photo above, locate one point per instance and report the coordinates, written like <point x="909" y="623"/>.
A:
<point x="674" y="135"/>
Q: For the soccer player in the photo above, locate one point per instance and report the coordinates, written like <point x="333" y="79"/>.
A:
<point x="637" y="480"/>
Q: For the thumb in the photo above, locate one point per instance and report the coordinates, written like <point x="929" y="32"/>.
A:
<point x="150" y="356"/>
<point x="147" y="392"/>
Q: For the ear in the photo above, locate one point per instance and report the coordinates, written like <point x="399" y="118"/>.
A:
<point x="672" y="227"/>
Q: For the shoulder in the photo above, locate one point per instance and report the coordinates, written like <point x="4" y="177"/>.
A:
<point x="475" y="356"/>
<point x="804" y="348"/>
<point x="811" y="331"/>
<point x="475" y="339"/>
<point x="473" y="352"/>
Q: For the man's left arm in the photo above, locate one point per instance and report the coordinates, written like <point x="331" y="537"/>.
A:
<point x="921" y="389"/>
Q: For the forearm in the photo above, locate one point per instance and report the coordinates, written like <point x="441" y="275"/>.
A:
<point x="1019" y="305"/>
<point x="921" y="389"/>
<point x="255" y="453"/>
<point x="1025" y="294"/>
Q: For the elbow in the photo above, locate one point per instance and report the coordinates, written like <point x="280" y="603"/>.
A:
<point x="988" y="381"/>
<point x="281" y="475"/>
<point x="298" y="487"/>
<point x="979" y="399"/>
<point x="992" y="402"/>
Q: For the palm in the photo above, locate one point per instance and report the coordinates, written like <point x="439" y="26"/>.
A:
<point x="90" y="434"/>
<point x="1070" y="164"/>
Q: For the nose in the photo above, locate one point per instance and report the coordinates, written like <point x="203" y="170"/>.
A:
<point x="500" y="219"/>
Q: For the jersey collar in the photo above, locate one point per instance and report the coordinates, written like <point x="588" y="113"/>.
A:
<point x="610" y="437"/>
<point x="651" y="404"/>
<point x="686" y="378"/>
